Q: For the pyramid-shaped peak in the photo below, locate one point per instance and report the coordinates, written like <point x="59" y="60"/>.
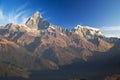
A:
<point x="37" y="21"/>
<point x="37" y="14"/>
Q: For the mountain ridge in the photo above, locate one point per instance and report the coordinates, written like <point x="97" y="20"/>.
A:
<point x="40" y="45"/>
<point x="35" y="35"/>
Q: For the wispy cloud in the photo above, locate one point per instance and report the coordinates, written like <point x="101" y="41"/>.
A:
<point x="20" y="15"/>
<point x="111" y="31"/>
<point x="1" y="14"/>
<point x="111" y="28"/>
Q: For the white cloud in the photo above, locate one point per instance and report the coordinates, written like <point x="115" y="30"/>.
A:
<point x="111" y="31"/>
<point x="20" y="15"/>
<point x="24" y="19"/>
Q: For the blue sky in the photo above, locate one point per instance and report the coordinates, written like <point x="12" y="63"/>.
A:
<point x="102" y="14"/>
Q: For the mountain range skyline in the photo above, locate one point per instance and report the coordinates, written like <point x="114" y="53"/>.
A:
<point x="100" y="14"/>
<point x="41" y="46"/>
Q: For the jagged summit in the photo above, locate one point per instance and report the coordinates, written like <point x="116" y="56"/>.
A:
<point x="38" y="13"/>
<point x="37" y="21"/>
<point x="88" y="32"/>
<point x="87" y="27"/>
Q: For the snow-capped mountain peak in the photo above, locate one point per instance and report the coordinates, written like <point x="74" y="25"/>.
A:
<point x="88" y="32"/>
<point x="87" y="27"/>
<point x="37" y="22"/>
<point x="37" y="14"/>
